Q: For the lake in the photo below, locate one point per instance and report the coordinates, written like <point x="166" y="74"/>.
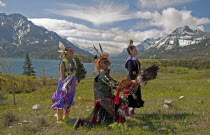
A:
<point x="51" y="67"/>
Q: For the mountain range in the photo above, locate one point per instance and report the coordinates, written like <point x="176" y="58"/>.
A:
<point x="18" y="36"/>
<point x="182" y="43"/>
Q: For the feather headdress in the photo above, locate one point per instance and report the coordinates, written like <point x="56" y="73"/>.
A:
<point x="62" y="50"/>
<point x="100" y="56"/>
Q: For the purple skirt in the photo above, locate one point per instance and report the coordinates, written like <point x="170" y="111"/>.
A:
<point x="60" y="98"/>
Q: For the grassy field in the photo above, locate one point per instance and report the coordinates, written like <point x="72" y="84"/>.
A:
<point x="187" y="116"/>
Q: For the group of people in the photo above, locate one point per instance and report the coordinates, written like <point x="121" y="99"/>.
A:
<point x="108" y="107"/>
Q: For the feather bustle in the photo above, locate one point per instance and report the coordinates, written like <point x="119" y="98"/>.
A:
<point x="148" y="74"/>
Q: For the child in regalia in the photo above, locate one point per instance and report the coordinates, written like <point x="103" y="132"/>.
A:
<point x="63" y="98"/>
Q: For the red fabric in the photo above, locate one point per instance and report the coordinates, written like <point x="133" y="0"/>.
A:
<point x="127" y="91"/>
<point x="110" y="110"/>
<point x="116" y="99"/>
<point x="95" y="111"/>
<point x="53" y="100"/>
<point x="121" y="119"/>
<point x="121" y="116"/>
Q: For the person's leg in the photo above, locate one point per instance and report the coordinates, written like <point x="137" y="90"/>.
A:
<point x="131" y="111"/>
<point x="59" y="115"/>
<point x="66" y="112"/>
<point x="127" y="111"/>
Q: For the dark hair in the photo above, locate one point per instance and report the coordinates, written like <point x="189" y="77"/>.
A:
<point x="66" y="48"/>
<point x="130" y="47"/>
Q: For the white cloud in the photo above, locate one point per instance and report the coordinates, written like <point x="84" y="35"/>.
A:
<point x="56" y="25"/>
<point x="101" y="13"/>
<point x="2" y="4"/>
<point x="170" y="19"/>
<point x="69" y="29"/>
<point x="158" y="4"/>
<point x="115" y="39"/>
<point x="108" y="46"/>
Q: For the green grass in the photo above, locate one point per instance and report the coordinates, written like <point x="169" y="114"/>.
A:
<point x="187" y="116"/>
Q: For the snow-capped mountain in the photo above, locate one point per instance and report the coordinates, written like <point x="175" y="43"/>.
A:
<point x="181" y="37"/>
<point x="141" y="47"/>
<point x="18" y="36"/>
<point x="181" y="43"/>
<point x="146" y="44"/>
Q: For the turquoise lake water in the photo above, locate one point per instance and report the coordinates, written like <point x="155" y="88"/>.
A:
<point x="52" y="66"/>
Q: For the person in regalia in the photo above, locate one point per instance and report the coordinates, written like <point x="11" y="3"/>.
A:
<point x="63" y="98"/>
<point x="133" y="67"/>
<point x="105" y="110"/>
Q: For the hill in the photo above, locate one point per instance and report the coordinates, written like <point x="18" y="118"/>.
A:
<point x="188" y="114"/>
<point x="18" y="35"/>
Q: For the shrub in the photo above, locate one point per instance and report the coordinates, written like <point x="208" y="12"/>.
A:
<point x="207" y="73"/>
<point x="43" y="77"/>
<point x="2" y="84"/>
<point x="18" y="84"/>
<point x="80" y="72"/>
<point x="177" y="70"/>
<point x="9" y="118"/>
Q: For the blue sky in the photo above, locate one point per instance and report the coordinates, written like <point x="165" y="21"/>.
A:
<point x="112" y="22"/>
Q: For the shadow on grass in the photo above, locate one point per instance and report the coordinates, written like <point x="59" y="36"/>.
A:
<point x="157" y="122"/>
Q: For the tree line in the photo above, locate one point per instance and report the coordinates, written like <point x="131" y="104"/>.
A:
<point x="188" y="63"/>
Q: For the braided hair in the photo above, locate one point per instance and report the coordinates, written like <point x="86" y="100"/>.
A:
<point x="130" y="46"/>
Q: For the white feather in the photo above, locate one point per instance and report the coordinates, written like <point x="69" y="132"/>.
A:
<point x="62" y="50"/>
<point x="61" y="46"/>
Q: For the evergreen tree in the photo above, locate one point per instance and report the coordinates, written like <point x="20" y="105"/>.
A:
<point x="81" y="72"/>
<point x="27" y="68"/>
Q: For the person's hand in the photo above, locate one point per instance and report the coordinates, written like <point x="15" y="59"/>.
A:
<point x="134" y="81"/>
<point x="63" y="81"/>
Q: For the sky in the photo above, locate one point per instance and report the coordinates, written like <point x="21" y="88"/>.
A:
<point x="112" y="22"/>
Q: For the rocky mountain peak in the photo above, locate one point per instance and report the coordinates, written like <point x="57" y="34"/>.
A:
<point x="17" y="17"/>
<point x="182" y="29"/>
<point x="18" y="35"/>
<point x="182" y="36"/>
